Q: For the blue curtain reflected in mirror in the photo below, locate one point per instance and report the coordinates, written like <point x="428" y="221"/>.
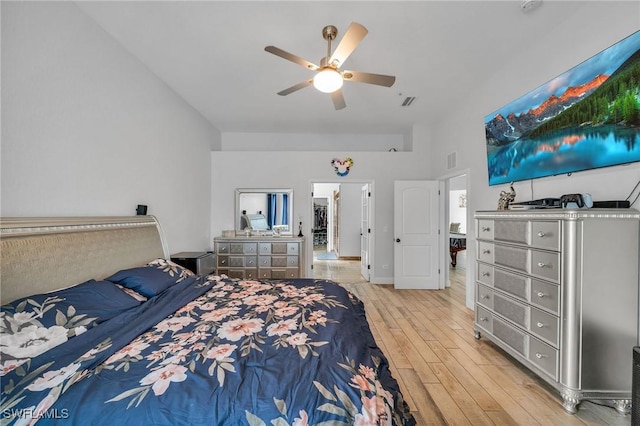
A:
<point x="285" y="209"/>
<point x="272" y="200"/>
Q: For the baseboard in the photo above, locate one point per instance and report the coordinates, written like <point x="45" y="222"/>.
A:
<point x="349" y="257"/>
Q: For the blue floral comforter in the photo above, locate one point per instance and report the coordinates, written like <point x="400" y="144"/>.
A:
<point x="216" y="351"/>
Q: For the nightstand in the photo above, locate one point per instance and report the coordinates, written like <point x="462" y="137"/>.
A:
<point x="199" y="262"/>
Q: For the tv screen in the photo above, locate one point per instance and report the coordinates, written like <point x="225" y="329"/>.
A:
<point x="586" y="118"/>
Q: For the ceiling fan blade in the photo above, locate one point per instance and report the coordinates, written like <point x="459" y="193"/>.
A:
<point x="291" y="57"/>
<point x="352" y="38"/>
<point x="338" y="99"/>
<point x="296" y="87"/>
<point x="366" y="77"/>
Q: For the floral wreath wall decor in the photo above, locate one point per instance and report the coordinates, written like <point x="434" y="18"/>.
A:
<point x="342" y="167"/>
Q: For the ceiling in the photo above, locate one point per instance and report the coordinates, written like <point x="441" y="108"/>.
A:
<point x="212" y="54"/>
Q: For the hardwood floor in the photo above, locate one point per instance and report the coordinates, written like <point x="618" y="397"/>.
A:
<point x="447" y="376"/>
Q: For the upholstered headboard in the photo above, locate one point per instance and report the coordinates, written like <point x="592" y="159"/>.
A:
<point x="39" y="255"/>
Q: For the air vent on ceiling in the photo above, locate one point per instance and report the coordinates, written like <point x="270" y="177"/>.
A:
<point x="451" y="161"/>
<point x="408" y="101"/>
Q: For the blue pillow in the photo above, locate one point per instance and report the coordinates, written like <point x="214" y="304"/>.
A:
<point x="151" y="279"/>
<point x="32" y="325"/>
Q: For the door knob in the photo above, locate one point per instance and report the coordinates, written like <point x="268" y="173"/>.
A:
<point x="397" y="240"/>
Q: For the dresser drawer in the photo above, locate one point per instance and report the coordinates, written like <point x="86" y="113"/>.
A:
<point x="485" y="229"/>
<point x="279" y="261"/>
<point x="484" y="274"/>
<point x="485" y="252"/>
<point x="511" y="335"/>
<point x="545" y="234"/>
<point x="251" y="261"/>
<point x="544" y="357"/>
<point x="293" y="248"/>
<point x="545" y="295"/>
<point x="242" y="273"/>
<point x="292" y="261"/>
<point x="484" y="319"/>
<point x="514" y="284"/>
<point x="236" y="261"/>
<point x="282" y="273"/>
<point x="536" y="233"/>
<point x="264" y="273"/>
<point x="484" y="296"/>
<point x="545" y="265"/>
<point x="545" y="326"/>
<point x="511" y="309"/>
<point x="264" y="248"/>
<point x="222" y="261"/>
<point x="279" y="248"/>
<point x="542" y="264"/>
<point x="222" y="248"/>
<point x="514" y="231"/>
<point x="264" y="261"/>
<point x="512" y="257"/>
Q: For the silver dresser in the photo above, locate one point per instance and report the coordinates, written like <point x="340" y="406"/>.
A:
<point x="259" y="257"/>
<point x="558" y="290"/>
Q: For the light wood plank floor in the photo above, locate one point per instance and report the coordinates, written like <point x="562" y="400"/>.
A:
<point x="445" y="374"/>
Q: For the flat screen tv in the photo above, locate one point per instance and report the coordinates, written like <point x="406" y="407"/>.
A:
<point x="586" y="118"/>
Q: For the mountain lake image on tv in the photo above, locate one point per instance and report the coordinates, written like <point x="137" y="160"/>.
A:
<point x="586" y="118"/>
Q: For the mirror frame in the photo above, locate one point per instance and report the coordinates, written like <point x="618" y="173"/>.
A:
<point x="238" y="210"/>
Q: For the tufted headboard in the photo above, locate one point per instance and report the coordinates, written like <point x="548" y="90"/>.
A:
<point x="39" y="255"/>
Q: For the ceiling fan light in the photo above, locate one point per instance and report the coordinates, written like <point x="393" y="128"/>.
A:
<point x="327" y="80"/>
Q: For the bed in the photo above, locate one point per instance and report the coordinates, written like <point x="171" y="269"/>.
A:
<point x="100" y="328"/>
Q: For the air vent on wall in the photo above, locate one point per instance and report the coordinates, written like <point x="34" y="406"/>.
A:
<point x="408" y="101"/>
<point x="451" y="161"/>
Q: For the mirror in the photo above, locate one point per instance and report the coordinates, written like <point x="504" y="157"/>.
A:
<point x="267" y="210"/>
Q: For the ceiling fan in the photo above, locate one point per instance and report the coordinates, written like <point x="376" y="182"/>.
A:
<point x="329" y="77"/>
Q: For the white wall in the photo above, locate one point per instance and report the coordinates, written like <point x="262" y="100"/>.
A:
<point x="350" y="219"/>
<point x="592" y="29"/>
<point x="298" y="169"/>
<point x="88" y="130"/>
<point x="313" y="142"/>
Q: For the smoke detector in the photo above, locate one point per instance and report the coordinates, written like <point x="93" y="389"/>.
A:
<point x="529" y="5"/>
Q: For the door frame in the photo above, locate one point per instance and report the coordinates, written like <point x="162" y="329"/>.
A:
<point x="308" y="243"/>
<point x="470" y="227"/>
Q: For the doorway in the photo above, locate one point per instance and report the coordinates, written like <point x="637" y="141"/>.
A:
<point x="336" y="209"/>
<point x="459" y="265"/>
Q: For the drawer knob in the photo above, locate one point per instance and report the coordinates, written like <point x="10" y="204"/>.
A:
<point x="541" y="234"/>
<point x="486" y="251"/>
<point x="483" y="319"/>
<point x="485" y="274"/>
<point x="541" y="294"/>
<point x="542" y="264"/>
<point x="540" y="325"/>
<point x="540" y="356"/>
<point x="223" y="261"/>
<point x="485" y="229"/>
<point x="484" y="296"/>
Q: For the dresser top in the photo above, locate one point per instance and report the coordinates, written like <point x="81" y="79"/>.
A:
<point x="559" y="214"/>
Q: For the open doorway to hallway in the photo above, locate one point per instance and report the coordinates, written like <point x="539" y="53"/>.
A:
<point x="457" y="211"/>
<point x="336" y="214"/>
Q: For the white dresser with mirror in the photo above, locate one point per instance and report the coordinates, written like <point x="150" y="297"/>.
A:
<point x="263" y="245"/>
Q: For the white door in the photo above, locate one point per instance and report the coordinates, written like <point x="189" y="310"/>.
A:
<point x="416" y="250"/>
<point x="365" y="231"/>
